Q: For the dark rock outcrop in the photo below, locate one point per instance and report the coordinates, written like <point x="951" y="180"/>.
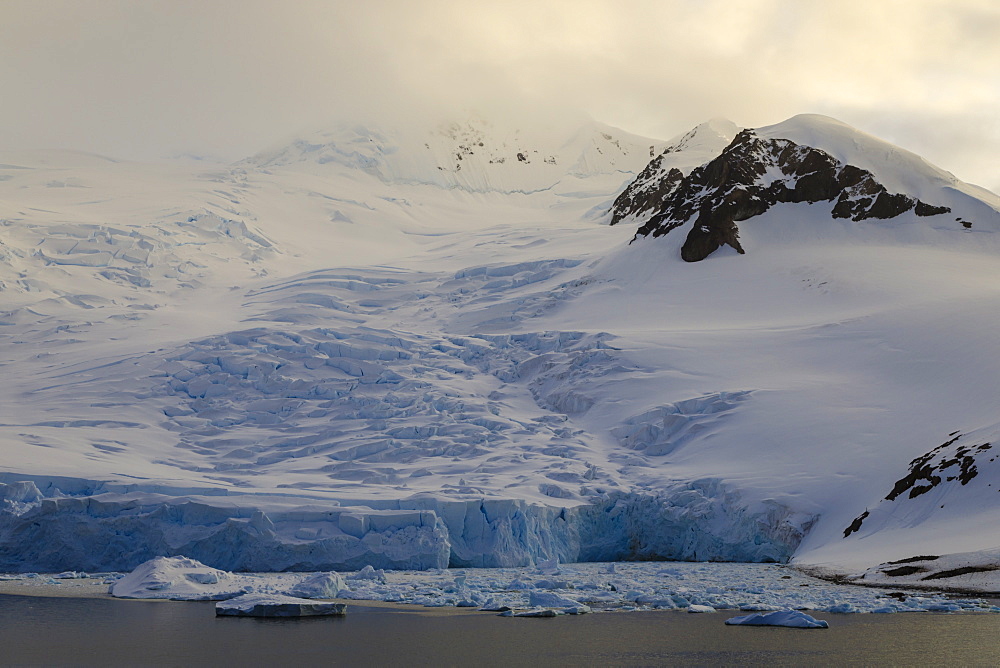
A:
<point x="653" y="185"/>
<point x="749" y="177"/>
<point x="947" y="463"/>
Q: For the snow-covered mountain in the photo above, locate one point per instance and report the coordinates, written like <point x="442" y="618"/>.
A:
<point x="393" y="348"/>
<point x="862" y="177"/>
<point x="475" y="155"/>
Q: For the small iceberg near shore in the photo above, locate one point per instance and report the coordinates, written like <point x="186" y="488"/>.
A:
<point x="319" y="585"/>
<point x="277" y="605"/>
<point x="176" y="578"/>
<point x="790" y="618"/>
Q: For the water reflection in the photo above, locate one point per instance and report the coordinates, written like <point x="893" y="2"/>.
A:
<point x="113" y="632"/>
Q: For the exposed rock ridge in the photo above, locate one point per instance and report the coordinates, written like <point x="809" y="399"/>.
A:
<point x="750" y="176"/>
<point x="957" y="460"/>
<point x="653" y="185"/>
<point x="664" y="173"/>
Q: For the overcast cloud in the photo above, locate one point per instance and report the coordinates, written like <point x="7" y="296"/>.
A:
<point x="149" y="78"/>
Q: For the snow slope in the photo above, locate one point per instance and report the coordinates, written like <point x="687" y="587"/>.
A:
<point x="349" y="351"/>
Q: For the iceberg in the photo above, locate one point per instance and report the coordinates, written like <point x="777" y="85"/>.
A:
<point x="276" y="605"/>
<point x="789" y="618"/>
<point x="176" y="578"/>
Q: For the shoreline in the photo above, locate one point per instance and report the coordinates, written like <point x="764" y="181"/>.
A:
<point x="826" y="575"/>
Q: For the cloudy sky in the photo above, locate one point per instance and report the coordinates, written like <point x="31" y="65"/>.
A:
<point x="148" y="78"/>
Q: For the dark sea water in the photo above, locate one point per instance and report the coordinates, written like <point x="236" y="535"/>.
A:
<point x="100" y="632"/>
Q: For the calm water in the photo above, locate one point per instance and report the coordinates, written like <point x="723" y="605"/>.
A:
<point x="101" y="632"/>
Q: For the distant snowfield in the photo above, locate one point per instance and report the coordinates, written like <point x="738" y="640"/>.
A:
<point x="339" y="355"/>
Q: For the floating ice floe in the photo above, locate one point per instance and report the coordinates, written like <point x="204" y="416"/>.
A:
<point x="789" y="618"/>
<point x="276" y="605"/>
<point x="580" y="588"/>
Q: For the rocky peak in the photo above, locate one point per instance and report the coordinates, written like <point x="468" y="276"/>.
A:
<point x="750" y="176"/>
<point x="664" y="172"/>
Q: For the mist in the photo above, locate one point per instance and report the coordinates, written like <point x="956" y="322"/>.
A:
<point x="144" y="80"/>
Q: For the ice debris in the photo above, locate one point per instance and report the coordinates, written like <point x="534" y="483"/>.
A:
<point x="319" y="585"/>
<point x="697" y="587"/>
<point x="368" y="573"/>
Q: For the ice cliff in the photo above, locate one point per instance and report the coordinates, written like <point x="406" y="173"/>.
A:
<point x="96" y="530"/>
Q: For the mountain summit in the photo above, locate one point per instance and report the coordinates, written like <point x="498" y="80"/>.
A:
<point x="807" y="159"/>
<point x="474" y="155"/>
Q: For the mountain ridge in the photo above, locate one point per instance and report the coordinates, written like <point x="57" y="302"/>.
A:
<point x="762" y="168"/>
<point x="474" y="155"/>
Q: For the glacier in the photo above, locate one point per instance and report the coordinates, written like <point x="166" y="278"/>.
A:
<point x="398" y="350"/>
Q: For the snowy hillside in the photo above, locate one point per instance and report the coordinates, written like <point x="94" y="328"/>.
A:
<point x="395" y="349"/>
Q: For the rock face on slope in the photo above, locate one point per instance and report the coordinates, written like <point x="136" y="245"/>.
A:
<point x="661" y="177"/>
<point x="750" y="176"/>
<point x="949" y="470"/>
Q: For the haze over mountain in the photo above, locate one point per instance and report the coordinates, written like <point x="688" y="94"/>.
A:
<point x="415" y="348"/>
<point x="161" y="78"/>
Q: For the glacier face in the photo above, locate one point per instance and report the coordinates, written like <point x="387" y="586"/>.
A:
<point x="337" y="355"/>
<point x="112" y="530"/>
